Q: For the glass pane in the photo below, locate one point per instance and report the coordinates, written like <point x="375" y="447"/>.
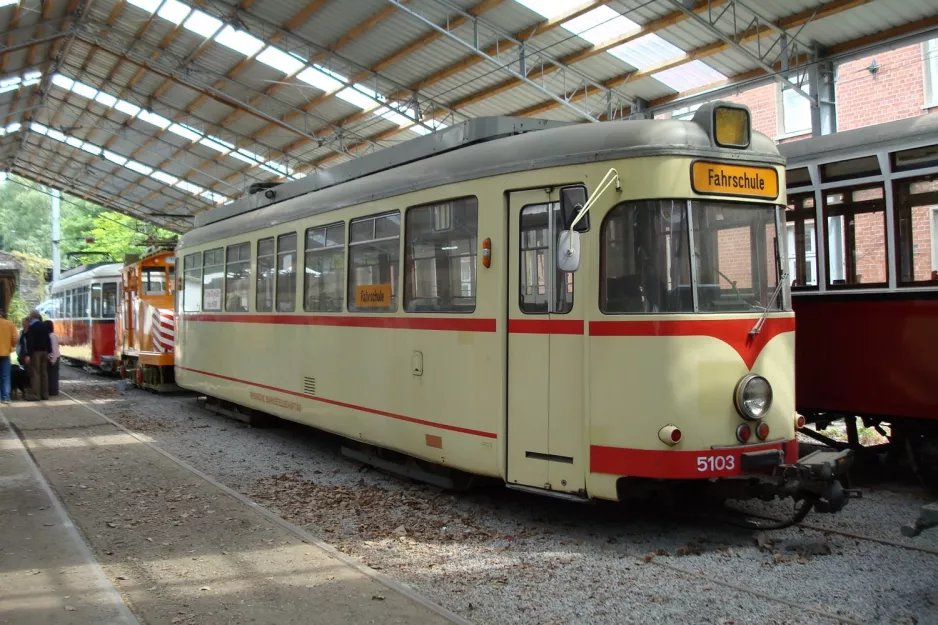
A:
<point x="374" y="265"/>
<point x="856" y="237"/>
<point x="736" y="256"/>
<point x="109" y="300"/>
<point x="645" y="259"/>
<point x="916" y="230"/>
<point x="801" y="245"/>
<point x="238" y="278"/>
<point x="324" y="274"/>
<point x="212" y="279"/>
<point x="154" y="281"/>
<point x="538" y="266"/>
<point x="286" y="272"/>
<point x="96" y="301"/>
<point x="264" y="298"/>
<point x="440" y="262"/>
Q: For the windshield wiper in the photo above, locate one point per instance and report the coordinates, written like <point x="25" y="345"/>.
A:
<point x="765" y="313"/>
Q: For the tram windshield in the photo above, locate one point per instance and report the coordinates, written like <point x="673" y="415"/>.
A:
<point x="646" y="256"/>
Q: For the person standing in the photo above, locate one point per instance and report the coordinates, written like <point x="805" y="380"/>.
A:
<point x="53" y="359"/>
<point x="21" y="346"/>
<point x="8" y="335"/>
<point x="38" y="347"/>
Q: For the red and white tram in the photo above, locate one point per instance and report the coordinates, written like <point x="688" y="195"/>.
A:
<point x="584" y="311"/>
<point x="862" y="224"/>
<point x="84" y="306"/>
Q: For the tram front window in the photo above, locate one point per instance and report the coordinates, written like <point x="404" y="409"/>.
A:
<point x="737" y="266"/>
<point x="646" y="258"/>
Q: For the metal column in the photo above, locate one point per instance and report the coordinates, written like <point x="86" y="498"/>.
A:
<point x="821" y="78"/>
<point x="56" y="235"/>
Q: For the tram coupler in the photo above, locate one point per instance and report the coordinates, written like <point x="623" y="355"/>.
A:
<point x="817" y="476"/>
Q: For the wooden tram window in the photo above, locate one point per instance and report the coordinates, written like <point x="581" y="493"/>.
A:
<point x="324" y="269"/>
<point x="68" y="304"/>
<point x="855" y="227"/>
<point x="237" y="277"/>
<point x="286" y="272"/>
<point x="374" y="259"/>
<point x="801" y="234"/>
<point x="96" y="301"/>
<point x="192" y="282"/>
<point x="916" y="206"/>
<point x="440" y="246"/>
<point x="538" y="262"/>
<point x="154" y="280"/>
<point x="264" y="297"/>
<point x="213" y="273"/>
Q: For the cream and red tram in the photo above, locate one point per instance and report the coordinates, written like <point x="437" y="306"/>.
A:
<point x="84" y="304"/>
<point x="415" y="303"/>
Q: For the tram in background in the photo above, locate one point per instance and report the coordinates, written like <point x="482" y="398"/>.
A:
<point x="492" y="299"/>
<point x="84" y="304"/>
<point x="146" y="321"/>
<point x="862" y="228"/>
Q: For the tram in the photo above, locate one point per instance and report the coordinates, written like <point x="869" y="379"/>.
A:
<point x="84" y="304"/>
<point x="582" y="311"/>
<point x="862" y="230"/>
<point x="146" y="320"/>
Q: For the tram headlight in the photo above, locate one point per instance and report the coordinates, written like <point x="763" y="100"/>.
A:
<point x="753" y="397"/>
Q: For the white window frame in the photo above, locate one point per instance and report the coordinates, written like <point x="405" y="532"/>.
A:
<point x="930" y="72"/>
<point x="810" y="237"/>
<point x="793" y="98"/>
<point x="934" y="238"/>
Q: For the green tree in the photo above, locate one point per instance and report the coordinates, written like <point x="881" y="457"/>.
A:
<point x="26" y="226"/>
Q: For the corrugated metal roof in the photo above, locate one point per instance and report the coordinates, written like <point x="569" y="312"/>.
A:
<point x="193" y="85"/>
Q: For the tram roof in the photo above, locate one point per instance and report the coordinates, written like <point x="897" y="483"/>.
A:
<point x="552" y="147"/>
<point x="896" y="135"/>
<point x="88" y="272"/>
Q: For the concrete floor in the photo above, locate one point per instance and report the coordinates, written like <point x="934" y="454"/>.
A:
<point x="154" y="540"/>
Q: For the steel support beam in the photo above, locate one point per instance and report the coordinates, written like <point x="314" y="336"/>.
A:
<point x="522" y="62"/>
<point x="777" y="46"/>
<point x="821" y="79"/>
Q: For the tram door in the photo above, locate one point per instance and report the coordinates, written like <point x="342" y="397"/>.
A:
<point x="545" y="350"/>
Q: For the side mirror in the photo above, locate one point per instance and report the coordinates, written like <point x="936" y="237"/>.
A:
<point x="568" y="251"/>
<point x="572" y="201"/>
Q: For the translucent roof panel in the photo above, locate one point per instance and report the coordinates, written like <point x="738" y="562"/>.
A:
<point x="239" y="41"/>
<point x="601" y="24"/>
<point x="689" y="76"/>
<point x="651" y="50"/>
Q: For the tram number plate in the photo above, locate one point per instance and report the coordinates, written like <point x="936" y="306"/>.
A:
<point x="707" y="464"/>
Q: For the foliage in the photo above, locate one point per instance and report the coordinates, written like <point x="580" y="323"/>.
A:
<point x="26" y="226"/>
<point x="17" y="309"/>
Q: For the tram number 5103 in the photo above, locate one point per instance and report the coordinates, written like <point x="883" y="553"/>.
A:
<point x="715" y="463"/>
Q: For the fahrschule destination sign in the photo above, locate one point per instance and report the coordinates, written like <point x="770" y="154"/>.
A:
<point x="723" y="179"/>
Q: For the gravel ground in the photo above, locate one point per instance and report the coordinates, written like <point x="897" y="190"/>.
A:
<point x="498" y="556"/>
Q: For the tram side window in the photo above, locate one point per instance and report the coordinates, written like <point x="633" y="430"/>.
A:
<point x="237" y="277"/>
<point x="286" y="272"/>
<point x="83" y="302"/>
<point x="192" y="282"/>
<point x="213" y="273"/>
<point x="645" y="260"/>
<point x="856" y="236"/>
<point x="264" y="299"/>
<point x="538" y="263"/>
<point x="109" y="300"/>
<point x="802" y="241"/>
<point x="374" y="256"/>
<point x="440" y="268"/>
<point x="67" y="295"/>
<point x="324" y="273"/>
<point x="95" y="301"/>
<point x="917" y="230"/>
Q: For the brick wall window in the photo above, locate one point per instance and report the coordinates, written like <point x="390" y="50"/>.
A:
<point x="930" y="63"/>
<point x="795" y="111"/>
